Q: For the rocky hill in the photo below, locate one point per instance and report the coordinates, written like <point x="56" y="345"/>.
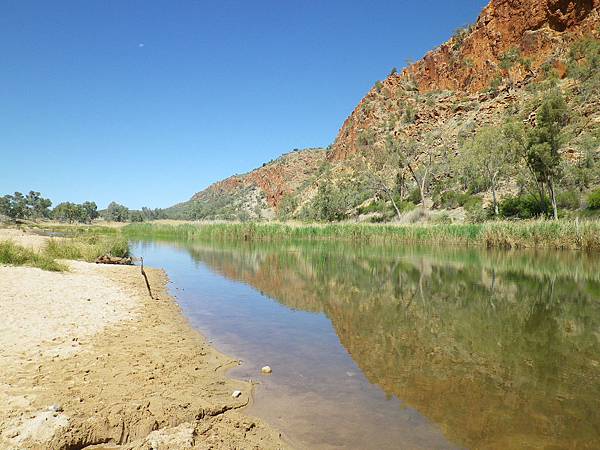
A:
<point x="256" y="194"/>
<point x="500" y="67"/>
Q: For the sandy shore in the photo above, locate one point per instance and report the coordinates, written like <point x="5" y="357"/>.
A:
<point x="87" y="358"/>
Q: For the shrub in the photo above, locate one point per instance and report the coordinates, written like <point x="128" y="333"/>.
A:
<point x="475" y="212"/>
<point x="568" y="200"/>
<point x="524" y="207"/>
<point x="452" y="199"/>
<point x="594" y="200"/>
<point x="410" y="114"/>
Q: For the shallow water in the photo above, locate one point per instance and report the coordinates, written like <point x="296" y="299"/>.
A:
<point x="381" y="347"/>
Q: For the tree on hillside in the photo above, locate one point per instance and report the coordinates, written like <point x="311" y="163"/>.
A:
<point x="539" y="146"/>
<point x="415" y="157"/>
<point x="488" y="154"/>
<point x="116" y="212"/>
<point x="544" y="141"/>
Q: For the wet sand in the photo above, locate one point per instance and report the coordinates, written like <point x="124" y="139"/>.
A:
<point x="87" y="358"/>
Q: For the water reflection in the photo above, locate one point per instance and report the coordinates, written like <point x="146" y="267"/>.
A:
<point x="500" y="350"/>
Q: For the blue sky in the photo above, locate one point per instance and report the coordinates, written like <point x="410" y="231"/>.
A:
<point x="146" y="102"/>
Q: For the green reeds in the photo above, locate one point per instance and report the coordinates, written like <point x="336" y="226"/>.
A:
<point x="562" y="234"/>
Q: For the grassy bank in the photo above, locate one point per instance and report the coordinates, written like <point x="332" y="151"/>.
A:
<point x="87" y="248"/>
<point x="84" y="247"/>
<point x="562" y="234"/>
<point x="17" y="255"/>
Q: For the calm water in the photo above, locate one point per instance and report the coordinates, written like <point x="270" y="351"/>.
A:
<point x="381" y="348"/>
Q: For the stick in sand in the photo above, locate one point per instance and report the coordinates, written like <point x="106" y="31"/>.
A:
<point x="146" y="278"/>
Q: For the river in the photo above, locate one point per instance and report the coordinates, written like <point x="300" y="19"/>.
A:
<point x="379" y="347"/>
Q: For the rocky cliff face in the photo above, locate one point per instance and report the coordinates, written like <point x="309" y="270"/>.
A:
<point x="473" y="57"/>
<point x="256" y="194"/>
<point x="510" y="45"/>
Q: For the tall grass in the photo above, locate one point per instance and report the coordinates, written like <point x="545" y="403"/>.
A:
<point x="87" y="248"/>
<point x="562" y="234"/>
<point x="17" y="255"/>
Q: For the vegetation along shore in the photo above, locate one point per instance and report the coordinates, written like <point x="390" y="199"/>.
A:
<point x="561" y="234"/>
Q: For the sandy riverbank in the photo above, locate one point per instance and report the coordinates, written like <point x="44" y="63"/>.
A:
<point x="87" y="358"/>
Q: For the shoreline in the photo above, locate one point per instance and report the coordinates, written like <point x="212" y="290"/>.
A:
<point x="89" y="359"/>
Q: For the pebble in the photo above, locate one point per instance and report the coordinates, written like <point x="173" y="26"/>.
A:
<point x="236" y="394"/>
<point x="266" y="369"/>
<point x="55" y="408"/>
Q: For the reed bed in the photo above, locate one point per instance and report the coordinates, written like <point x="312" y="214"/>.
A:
<point x="572" y="235"/>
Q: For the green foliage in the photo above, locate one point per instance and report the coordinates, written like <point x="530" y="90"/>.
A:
<point x="594" y="200"/>
<point x="410" y="114"/>
<point x="366" y="138"/>
<point x="584" y="64"/>
<point x="136" y="216"/>
<point x="475" y="212"/>
<point x="116" y="213"/>
<point x="287" y="207"/>
<point x="459" y="36"/>
<point x="452" y="199"/>
<point x="329" y="204"/>
<point x="394" y="71"/>
<point x="16" y="255"/>
<point x="524" y="207"/>
<point x="72" y="212"/>
<point x="30" y="206"/>
<point x="561" y="234"/>
<point x="510" y="58"/>
<point x="568" y="200"/>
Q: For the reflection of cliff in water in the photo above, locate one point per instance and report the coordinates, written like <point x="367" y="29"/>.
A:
<point x="501" y="350"/>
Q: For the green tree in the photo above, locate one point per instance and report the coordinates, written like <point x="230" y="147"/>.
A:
<point x="68" y="212"/>
<point x="329" y="204"/>
<point x="117" y="212"/>
<point x="15" y="206"/>
<point x="489" y="154"/>
<point x="90" y="211"/>
<point x="136" y="216"/>
<point x="544" y="142"/>
<point x="38" y="206"/>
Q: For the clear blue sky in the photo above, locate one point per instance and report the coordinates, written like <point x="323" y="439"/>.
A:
<point x="147" y="101"/>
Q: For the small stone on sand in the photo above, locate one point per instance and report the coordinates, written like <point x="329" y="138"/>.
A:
<point x="236" y="394"/>
<point x="266" y="369"/>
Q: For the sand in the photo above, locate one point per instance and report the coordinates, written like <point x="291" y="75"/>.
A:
<point x="87" y="358"/>
<point x="24" y="238"/>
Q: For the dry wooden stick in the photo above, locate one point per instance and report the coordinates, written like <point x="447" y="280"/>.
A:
<point x="146" y="278"/>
